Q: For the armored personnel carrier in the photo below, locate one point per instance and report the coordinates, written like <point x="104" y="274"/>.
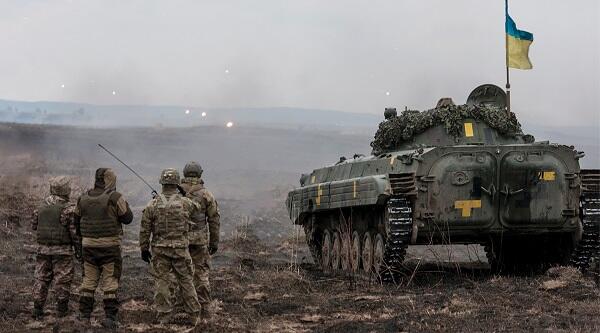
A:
<point x="455" y="174"/>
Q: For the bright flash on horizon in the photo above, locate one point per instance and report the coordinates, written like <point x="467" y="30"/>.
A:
<point x="226" y="71"/>
<point x="114" y="92"/>
<point x="203" y="114"/>
<point x="387" y="93"/>
<point x="187" y="111"/>
<point x="62" y="85"/>
<point x="229" y="124"/>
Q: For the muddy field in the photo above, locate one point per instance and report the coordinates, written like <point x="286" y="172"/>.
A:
<point x="263" y="279"/>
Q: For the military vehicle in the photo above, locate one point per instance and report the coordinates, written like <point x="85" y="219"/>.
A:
<point x="455" y="174"/>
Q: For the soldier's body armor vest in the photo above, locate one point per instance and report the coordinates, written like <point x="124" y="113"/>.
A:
<point x="198" y="234"/>
<point x="96" y="219"/>
<point x="49" y="230"/>
<point x="171" y="223"/>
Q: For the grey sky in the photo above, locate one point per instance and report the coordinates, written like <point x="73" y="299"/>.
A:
<point x="342" y="55"/>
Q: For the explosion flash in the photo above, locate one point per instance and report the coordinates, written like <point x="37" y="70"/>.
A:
<point x="229" y="124"/>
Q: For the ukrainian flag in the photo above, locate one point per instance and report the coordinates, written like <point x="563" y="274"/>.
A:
<point x="517" y="45"/>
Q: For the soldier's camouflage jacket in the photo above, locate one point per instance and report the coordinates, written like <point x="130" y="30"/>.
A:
<point x="166" y="221"/>
<point x="206" y="223"/>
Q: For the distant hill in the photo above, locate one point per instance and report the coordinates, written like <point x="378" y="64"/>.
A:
<point x="65" y="113"/>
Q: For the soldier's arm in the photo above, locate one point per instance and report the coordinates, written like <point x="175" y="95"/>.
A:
<point x="67" y="219"/>
<point x="124" y="213"/>
<point x="146" y="228"/>
<point x="77" y="219"/>
<point x="214" y="217"/>
<point x="34" y="220"/>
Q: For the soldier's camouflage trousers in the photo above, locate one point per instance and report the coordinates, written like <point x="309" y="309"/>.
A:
<point x="52" y="267"/>
<point x="177" y="262"/>
<point x="201" y="260"/>
<point x="101" y="266"/>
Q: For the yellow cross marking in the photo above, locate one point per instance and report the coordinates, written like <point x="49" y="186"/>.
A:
<point x="468" y="130"/>
<point x="354" y="192"/>
<point x="319" y="194"/>
<point x="466" y="205"/>
<point x="548" y="175"/>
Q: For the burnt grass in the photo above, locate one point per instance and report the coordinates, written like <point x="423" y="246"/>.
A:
<point x="263" y="279"/>
<point x="257" y="287"/>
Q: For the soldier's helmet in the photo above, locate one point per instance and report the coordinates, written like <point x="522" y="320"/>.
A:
<point x="192" y="169"/>
<point x="169" y="177"/>
<point x="60" y="186"/>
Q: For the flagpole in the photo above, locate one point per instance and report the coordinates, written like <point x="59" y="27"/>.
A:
<point x="507" y="82"/>
<point x="507" y="70"/>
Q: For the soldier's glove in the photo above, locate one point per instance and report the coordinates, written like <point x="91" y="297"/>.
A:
<point x="212" y="249"/>
<point x="146" y="256"/>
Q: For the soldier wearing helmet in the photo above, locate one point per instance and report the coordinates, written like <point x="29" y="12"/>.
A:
<point x="56" y="238"/>
<point x="164" y="241"/>
<point x="204" y="233"/>
<point x="99" y="216"/>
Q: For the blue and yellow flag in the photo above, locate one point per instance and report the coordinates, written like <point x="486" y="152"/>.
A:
<point x="517" y="45"/>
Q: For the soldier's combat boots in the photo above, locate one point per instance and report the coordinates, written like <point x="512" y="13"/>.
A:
<point x="186" y="319"/>
<point x="86" y="306"/>
<point x="204" y="312"/>
<point x="111" y="311"/>
<point x="62" y="308"/>
<point x="38" y="311"/>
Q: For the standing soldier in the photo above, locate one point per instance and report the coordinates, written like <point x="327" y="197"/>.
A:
<point x="99" y="216"/>
<point x="165" y="227"/>
<point x="204" y="232"/>
<point x="56" y="236"/>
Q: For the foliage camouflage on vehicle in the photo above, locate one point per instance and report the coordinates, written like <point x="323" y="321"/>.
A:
<point x="395" y="131"/>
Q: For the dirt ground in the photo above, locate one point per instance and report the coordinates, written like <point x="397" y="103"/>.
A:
<point x="263" y="279"/>
<point x="269" y="284"/>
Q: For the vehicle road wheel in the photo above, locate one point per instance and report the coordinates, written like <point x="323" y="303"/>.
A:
<point x="355" y="252"/>
<point x="326" y="251"/>
<point x="367" y="253"/>
<point x="345" y="257"/>
<point x="336" y="251"/>
<point x="378" y="251"/>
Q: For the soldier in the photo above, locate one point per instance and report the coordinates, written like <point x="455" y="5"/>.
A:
<point x="165" y="227"/>
<point x="56" y="238"/>
<point x="99" y="216"/>
<point x="204" y="232"/>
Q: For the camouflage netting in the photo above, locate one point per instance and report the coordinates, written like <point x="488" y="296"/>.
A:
<point x="396" y="131"/>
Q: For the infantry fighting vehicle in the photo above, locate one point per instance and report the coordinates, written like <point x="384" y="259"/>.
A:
<point x="461" y="174"/>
